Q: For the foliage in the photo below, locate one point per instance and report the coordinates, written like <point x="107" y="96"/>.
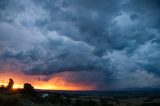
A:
<point x="10" y="100"/>
<point x="28" y="89"/>
<point x="10" y="84"/>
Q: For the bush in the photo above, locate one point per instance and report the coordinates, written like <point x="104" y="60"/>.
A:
<point x="10" y="100"/>
<point x="28" y="89"/>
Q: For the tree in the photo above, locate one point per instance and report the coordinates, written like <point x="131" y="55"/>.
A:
<point x="28" y="89"/>
<point x="2" y="87"/>
<point x="10" y="84"/>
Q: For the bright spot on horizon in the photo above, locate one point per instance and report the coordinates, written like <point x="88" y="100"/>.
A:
<point x="55" y="83"/>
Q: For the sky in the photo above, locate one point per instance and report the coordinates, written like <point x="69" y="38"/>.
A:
<point x="87" y="44"/>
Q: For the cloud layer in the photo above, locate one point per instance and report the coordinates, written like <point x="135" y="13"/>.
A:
<point x="112" y="44"/>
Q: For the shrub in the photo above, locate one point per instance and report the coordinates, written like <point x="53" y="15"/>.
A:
<point x="10" y="100"/>
<point x="28" y="89"/>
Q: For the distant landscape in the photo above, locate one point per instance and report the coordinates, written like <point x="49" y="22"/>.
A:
<point x="28" y="96"/>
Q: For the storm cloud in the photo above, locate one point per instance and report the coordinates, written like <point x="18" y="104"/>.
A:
<point x="111" y="43"/>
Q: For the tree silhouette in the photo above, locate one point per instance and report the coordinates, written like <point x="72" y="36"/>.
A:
<point x="28" y="89"/>
<point x="2" y="87"/>
<point x="10" y="84"/>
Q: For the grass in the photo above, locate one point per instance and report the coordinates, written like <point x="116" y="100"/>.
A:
<point x="20" y="99"/>
<point x="10" y="100"/>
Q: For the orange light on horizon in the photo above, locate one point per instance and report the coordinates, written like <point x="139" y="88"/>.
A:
<point x="56" y="82"/>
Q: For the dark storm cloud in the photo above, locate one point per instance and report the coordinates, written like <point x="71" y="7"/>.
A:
<point x="117" y="40"/>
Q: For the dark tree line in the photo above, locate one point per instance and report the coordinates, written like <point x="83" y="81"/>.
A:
<point x="27" y="88"/>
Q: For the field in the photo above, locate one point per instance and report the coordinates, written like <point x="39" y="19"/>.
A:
<point x="80" y="98"/>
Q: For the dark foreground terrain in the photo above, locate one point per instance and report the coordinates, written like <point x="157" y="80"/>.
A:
<point x="80" y="98"/>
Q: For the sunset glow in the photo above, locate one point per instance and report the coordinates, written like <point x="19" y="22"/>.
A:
<point x="56" y="82"/>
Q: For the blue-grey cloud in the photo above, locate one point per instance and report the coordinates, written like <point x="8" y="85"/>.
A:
<point x="117" y="40"/>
